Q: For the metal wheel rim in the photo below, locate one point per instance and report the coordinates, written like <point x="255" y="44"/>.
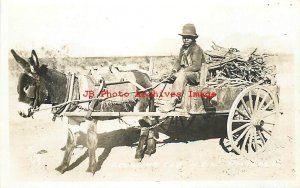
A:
<point x="253" y="133"/>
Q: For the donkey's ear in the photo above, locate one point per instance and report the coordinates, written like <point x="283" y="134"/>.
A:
<point x="22" y="62"/>
<point x="34" y="60"/>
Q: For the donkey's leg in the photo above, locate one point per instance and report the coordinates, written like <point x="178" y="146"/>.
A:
<point x="73" y="134"/>
<point x="140" y="148"/>
<point x="92" y="141"/>
<point x="142" y="106"/>
<point x="151" y="143"/>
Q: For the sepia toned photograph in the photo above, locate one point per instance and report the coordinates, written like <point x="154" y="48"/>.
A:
<point x="150" y="93"/>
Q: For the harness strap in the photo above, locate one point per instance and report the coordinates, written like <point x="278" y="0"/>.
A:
<point x="70" y="93"/>
<point x="68" y="98"/>
<point x="68" y="87"/>
<point x="101" y="85"/>
<point x="37" y="97"/>
<point x="100" y="99"/>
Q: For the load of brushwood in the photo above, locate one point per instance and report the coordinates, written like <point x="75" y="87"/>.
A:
<point x="228" y="67"/>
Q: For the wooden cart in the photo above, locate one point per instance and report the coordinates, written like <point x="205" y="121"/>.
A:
<point x="252" y="112"/>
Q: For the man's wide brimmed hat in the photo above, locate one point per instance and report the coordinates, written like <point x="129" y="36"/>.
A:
<point x="189" y="30"/>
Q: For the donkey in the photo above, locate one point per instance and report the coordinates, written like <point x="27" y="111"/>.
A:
<point x="41" y="85"/>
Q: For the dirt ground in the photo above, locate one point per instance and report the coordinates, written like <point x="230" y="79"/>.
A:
<point x="193" y="153"/>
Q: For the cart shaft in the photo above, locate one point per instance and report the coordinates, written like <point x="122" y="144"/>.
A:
<point x="117" y="114"/>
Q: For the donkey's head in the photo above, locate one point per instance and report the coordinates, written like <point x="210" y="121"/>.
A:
<point x="32" y="93"/>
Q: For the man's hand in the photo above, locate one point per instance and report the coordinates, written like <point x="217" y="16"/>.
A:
<point x="169" y="78"/>
<point x="164" y="77"/>
<point x="172" y="77"/>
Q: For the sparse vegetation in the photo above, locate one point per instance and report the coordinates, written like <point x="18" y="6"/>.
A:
<point x="69" y="64"/>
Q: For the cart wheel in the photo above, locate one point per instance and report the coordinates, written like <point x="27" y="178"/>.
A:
<point x="251" y="119"/>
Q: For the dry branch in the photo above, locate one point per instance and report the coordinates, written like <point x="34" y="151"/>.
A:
<point x="230" y="67"/>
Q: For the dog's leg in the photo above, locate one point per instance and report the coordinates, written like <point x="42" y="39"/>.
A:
<point x="92" y="141"/>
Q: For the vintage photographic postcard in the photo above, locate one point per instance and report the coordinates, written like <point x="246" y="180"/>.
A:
<point x="150" y="93"/>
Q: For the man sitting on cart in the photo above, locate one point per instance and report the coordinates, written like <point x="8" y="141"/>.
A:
<point x="186" y="69"/>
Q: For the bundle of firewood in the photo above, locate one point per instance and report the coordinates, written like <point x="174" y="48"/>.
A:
<point x="230" y="67"/>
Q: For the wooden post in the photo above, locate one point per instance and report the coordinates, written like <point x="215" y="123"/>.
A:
<point x="151" y="67"/>
<point x="203" y="74"/>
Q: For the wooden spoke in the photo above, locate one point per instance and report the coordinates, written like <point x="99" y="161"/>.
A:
<point x="242" y="135"/>
<point x="250" y="140"/>
<point x="263" y="101"/>
<point x="256" y="100"/>
<point x="269" y="103"/>
<point x="250" y="101"/>
<point x="242" y="113"/>
<point x="272" y="113"/>
<point x="241" y="120"/>
<point x="240" y="128"/>
<point x="267" y="131"/>
<point x="245" y="106"/>
<point x="255" y="139"/>
<point x="245" y="140"/>
<point x="269" y="123"/>
<point x="261" y="137"/>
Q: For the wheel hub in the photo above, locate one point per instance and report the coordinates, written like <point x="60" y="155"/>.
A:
<point x="257" y="121"/>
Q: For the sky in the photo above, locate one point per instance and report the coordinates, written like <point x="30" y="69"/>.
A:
<point x="139" y="27"/>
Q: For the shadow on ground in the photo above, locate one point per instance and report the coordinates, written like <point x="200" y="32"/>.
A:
<point x="201" y="128"/>
<point x="108" y="140"/>
<point x="179" y="131"/>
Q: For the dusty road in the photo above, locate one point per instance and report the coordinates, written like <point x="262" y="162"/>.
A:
<point x="195" y="154"/>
